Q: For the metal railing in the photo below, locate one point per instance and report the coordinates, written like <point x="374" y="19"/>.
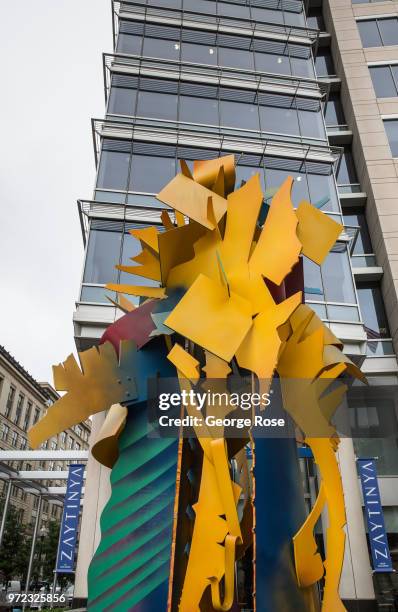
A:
<point x="219" y="139"/>
<point x="227" y="76"/>
<point x="215" y="23"/>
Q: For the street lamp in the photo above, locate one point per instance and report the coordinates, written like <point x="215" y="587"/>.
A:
<point x="42" y="534"/>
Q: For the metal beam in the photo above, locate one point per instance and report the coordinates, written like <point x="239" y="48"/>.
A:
<point x="42" y="475"/>
<point x="44" y="455"/>
<point x="59" y="490"/>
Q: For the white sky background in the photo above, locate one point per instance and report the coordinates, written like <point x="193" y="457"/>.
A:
<point x="51" y="85"/>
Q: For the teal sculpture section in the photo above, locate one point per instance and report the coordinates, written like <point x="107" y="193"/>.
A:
<point x="130" y="568"/>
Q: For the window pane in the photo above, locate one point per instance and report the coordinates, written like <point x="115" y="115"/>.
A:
<point x="198" y="110"/>
<point x="324" y="63"/>
<point x="151" y="174"/>
<point x="244" y="173"/>
<point x="321" y="185"/>
<point x="103" y="253"/>
<point x="233" y="10"/>
<point x="300" y="187"/>
<point x="294" y="19"/>
<point x="389" y="31"/>
<point x="313" y="287"/>
<point x="337" y="278"/>
<point x="334" y="114"/>
<point x="200" y="54"/>
<point x="96" y="294"/>
<point x="282" y="120"/>
<point x="163" y="49"/>
<point x="302" y="67"/>
<point x="128" y="43"/>
<point x="362" y="242"/>
<point x="369" y="34"/>
<point x="394" y="70"/>
<point x="372" y="310"/>
<point x="122" y="101"/>
<point x="269" y="62"/>
<point x="236" y="58"/>
<point x="200" y="6"/>
<point x="311" y="124"/>
<point x="157" y="105"/>
<point x="169" y="3"/>
<point x="267" y="15"/>
<point x="391" y="127"/>
<point x="346" y="173"/>
<point x="113" y="170"/>
<point x="237" y="114"/>
<point x="383" y="82"/>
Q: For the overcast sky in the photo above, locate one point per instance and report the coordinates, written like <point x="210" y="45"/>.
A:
<point x="51" y="86"/>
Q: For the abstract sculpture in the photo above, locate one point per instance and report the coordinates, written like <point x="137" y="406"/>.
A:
<point x="229" y="297"/>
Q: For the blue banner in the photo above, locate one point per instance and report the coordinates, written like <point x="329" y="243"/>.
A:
<point x="374" y="516"/>
<point x="70" y="520"/>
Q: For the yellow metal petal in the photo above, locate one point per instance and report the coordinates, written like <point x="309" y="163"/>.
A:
<point x="259" y="350"/>
<point x="278" y="247"/>
<point x="243" y="209"/>
<point x="308" y="561"/>
<point x="210" y="317"/>
<point x="184" y="362"/>
<point x="190" y="198"/>
<point x="147" y="235"/>
<point x="316" y="231"/>
<point x="206" y="172"/>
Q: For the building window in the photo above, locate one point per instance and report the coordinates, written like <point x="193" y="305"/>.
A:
<point x="385" y="80"/>
<point x="63" y="438"/>
<point x="334" y="114"/>
<point x="24" y="443"/>
<point x="378" y="32"/>
<point x="114" y="166"/>
<point x="10" y="401"/>
<point x="28" y="467"/>
<point x="69" y="443"/>
<point x="19" y="408"/>
<point x="103" y="253"/>
<point x="346" y="173"/>
<point x="4" y="432"/>
<point x="372" y="309"/>
<point x="77" y="446"/>
<point x="36" y="415"/>
<point x="391" y="127"/>
<point x="324" y="65"/>
<point x="28" y="412"/>
<point x="14" y="438"/>
<point x="79" y="431"/>
<point x="53" y="445"/>
<point x="356" y="217"/>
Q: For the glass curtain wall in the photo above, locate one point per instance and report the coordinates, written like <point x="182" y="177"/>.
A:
<point x="132" y="172"/>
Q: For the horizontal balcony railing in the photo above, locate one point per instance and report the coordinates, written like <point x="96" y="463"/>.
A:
<point x="364" y="260"/>
<point x="349" y="188"/>
<point x="335" y="312"/>
<point x="341" y="127"/>
<point x="380" y="348"/>
<point x="229" y="77"/>
<point x="218" y="138"/>
<point x="190" y="19"/>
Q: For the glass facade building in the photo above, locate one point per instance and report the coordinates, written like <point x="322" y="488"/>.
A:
<point x="196" y="79"/>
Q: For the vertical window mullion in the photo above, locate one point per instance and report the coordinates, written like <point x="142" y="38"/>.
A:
<point x="379" y="31"/>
